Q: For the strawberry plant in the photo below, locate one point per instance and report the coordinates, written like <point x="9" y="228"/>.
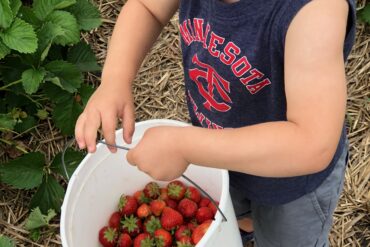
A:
<point x="42" y="66"/>
<point x="364" y="14"/>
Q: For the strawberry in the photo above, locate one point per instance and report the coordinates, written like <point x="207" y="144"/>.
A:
<point x="192" y="225"/>
<point x="213" y="207"/>
<point x="141" y="198"/>
<point x="151" y="190"/>
<point x="182" y="231"/>
<point x="187" y="208"/>
<point x="143" y="211"/>
<point x="185" y="241"/>
<point x="108" y="236"/>
<point x="171" y="203"/>
<point x="157" y="206"/>
<point x="199" y="232"/>
<point x="143" y="240"/>
<point x="164" y="194"/>
<point x="203" y="214"/>
<point x="151" y="224"/>
<point x="171" y="218"/>
<point x="127" y="205"/>
<point x="176" y="190"/>
<point x="131" y="225"/>
<point x="124" y="240"/>
<point x="115" y="220"/>
<point x="162" y="238"/>
<point x="193" y="194"/>
<point x="204" y="202"/>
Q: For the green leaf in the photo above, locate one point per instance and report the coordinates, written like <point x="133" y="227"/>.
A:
<point x="83" y="56"/>
<point x="55" y="93"/>
<point x="85" y="91"/>
<point x="46" y="35"/>
<point x="64" y="75"/>
<point x="15" y="5"/>
<point x="67" y="22"/>
<point x="4" y="50"/>
<point x="26" y="124"/>
<point x="35" y="235"/>
<point x="42" y="114"/>
<point x="25" y="172"/>
<point x="6" y="242"/>
<point x="71" y="159"/>
<point x="65" y="115"/>
<point x="87" y="14"/>
<point x="49" y="195"/>
<point x="27" y="14"/>
<point x="364" y="14"/>
<point x="32" y="78"/>
<point x="43" y="8"/>
<point x="36" y="219"/>
<point x="6" y="15"/>
<point x="20" y="36"/>
<point x="7" y="121"/>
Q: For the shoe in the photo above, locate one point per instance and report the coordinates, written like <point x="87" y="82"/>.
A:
<point x="246" y="236"/>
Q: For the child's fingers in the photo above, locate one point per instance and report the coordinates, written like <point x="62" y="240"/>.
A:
<point x="128" y="124"/>
<point x="109" y="120"/>
<point x="79" y="131"/>
<point x="92" y="124"/>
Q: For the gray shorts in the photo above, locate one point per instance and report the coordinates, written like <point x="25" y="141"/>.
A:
<point x="304" y="222"/>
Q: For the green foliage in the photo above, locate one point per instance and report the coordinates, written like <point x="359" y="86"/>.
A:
<point x="364" y="14"/>
<point x="36" y="219"/>
<point x="42" y="61"/>
<point x="25" y="172"/>
<point x="6" y="242"/>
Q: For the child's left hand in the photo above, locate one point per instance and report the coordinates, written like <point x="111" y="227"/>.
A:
<point x="159" y="153"/>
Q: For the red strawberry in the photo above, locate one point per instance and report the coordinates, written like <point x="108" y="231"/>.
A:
<point x="127" y="205"/>
<point x="171" y="218"/>
<point x="204" y="202"/>
<point x="115" y="220"/>
<point x="157" y="206"/>
<point x="203" y="214"/>
<point x="187" y="208"/>
<point x="213" y="208"/>
<point x="192" y="225"/>
<point x="164" y="194"/>
<point x="124" y="240"/>
<point x="185" y="241"/>
<point x="182" y="231"/>
<point x="143" y="211"/>
<point x="162" y="238"/>
<point x="151" y="190"/>
<point x="141" y="198"/>
<point x="143" y="240"/>
<point x="108" y="236"/>
<point x="176" y="190"/>
<point x="131" y="225"/>
<point x="199" y="232"/>
<point x="171" y="203"/>
<point x="151" y="224"/>
<point x="193" y="194"/>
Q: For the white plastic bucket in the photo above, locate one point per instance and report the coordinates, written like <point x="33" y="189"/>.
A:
<point x="96" y="185"/>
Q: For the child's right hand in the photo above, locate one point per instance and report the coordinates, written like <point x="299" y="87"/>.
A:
<point x="103" y="108"/>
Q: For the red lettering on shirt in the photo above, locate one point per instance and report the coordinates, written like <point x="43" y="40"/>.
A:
<point x="214" y="41"/>
<point x="255" y="88"/>
<point x="229" y="54"/>
<point x="241" y="66"/>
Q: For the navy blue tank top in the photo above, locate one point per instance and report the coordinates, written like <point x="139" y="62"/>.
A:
<point x="233" y="59"/>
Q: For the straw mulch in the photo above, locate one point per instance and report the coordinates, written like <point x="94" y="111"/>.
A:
<point x="159" y="93"/>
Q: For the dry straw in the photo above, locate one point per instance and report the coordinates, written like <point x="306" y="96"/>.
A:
<point x="159" y="93"/>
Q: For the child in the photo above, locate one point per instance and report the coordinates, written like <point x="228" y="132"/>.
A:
<point x="266" y="92"/>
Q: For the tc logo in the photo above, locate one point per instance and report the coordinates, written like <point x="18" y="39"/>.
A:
<point x="215" y="82"/>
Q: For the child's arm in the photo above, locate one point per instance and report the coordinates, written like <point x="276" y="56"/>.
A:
<point x="315" y="88"/>
<point x="137" y="27"/>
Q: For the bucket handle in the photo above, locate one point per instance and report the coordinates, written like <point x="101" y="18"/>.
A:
<point x="69" y="143"/>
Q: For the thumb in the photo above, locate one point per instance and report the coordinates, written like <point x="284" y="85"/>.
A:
<point x="130" y="157"/>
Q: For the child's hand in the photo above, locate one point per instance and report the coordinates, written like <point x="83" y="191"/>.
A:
<point x="104" y="107"/>
<point x="159" y="153"/>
